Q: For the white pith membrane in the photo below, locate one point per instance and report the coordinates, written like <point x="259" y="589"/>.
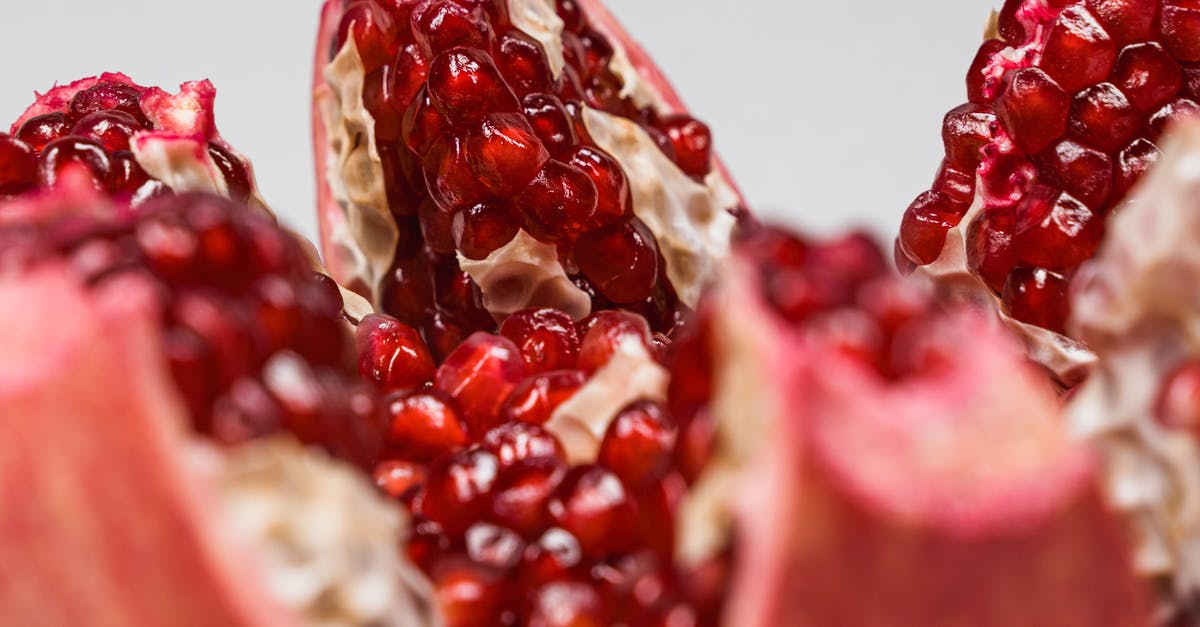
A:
<point x="1136" y="304"/>
<point x="1068" y="359"/>
<point x="690" y="221"/>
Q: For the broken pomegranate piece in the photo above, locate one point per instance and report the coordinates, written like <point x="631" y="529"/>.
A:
<point x="1067" y="103"/>
<point x="479" y="158"/>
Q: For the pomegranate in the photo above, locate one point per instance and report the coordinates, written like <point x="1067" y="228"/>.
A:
<point x="1066" y="104"/>
<point x="1133" y="304"/>
<point x="480" y="157"/>
<point x="132" y="142"/>
<point x="857" y="435"/>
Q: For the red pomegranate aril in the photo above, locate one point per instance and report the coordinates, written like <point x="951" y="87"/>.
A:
<point x="923" y="229"/>
<point x="111" y="128"/>
<point x="1033" y="108"/>
<point x="574" y="20"/>
<point x="396" y="478"/>
<point x="1082" y="172"/>
<point x="1103" y="117"/>
<point x="1126" y="21"/>
<point x="537" y="397"/>
<point x="448" y="175"/>
<point x="568" y="604"/>
<point x="459" y="488"/>
<point x="459" y="296"/>
<point x="443" y="335"/>
<point x="1009" y="27"/>
<point x="106" y="96"/>
<point x="409" y="294"/>
<point x="392" y="354"/>
<point x="482" y="229"/>
<point x="523" y="63"/>
<point x="408" y="75"/>
<point x="593" y="505"/>
<point x="516" y="442"/>
<point x="437" y="227"/>
<point x="613" y="201"/>
<point x="956" y="185"/>
<point x="427" y="543"/>
<point x="1147" y="75"/>
<point x="620" y="260"/>
<point x="1134" y="161"/>
<point x="550" y="121"/>
<point x="378" y="100"/>
<point x="505" y="153"/>
<point x="1037" y="296"/>
<point x="468" y="594"/>
<point x="1078" y="52"/>
<point x="989" y="244"/>
<point x="465" y="85"/>
<point x="521" y="492"/>
<point x="605" y="332"/>
<point x="424" y="427"/>
<point x="638" y="444"/>
<point x="479" y="375"/>
<point x="1180" y="27"/>
<point x="982" y="88"/>
<point x="547" y="338"/>
<point x="233" y="170"/>
<point x="560" y="201"/>
<point x="129" y="181"/>
<point x="1059" y="234"/>
<point x="692" y="141"/>
<point x="43" y="129"/>
<point x="597" y="52"/>
<point x="371" y="29"/>
<point x="493" y="546"/>
<point x="18" y="166"/>
<point x="1172" y="112"/>
<point x="76" y="153"/>
<point x="965" y="131"/>
<point x="1178" y="405"/>
<point x="440" y="25"/>
<point x="422" y="125"/>
<point x="554" y="556"/>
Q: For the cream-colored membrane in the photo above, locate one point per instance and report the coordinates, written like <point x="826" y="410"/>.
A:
<point x="328" y="544"/>
<point x="525" y="273"/>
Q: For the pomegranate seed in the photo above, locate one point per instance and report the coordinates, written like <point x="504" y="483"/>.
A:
<point x="437" y="227"/>
<point x="965" y="130"/>
<point x="468" y="595"/>
<point x="409" y="293"/>
<point x="74" y="153"/>
<point x="1180" y="27"/>
<point x="371" y="29"/>
<point x="568" y="604"/>
<point x="482" y="229"/>
<point x="494" y="546"/>
<point x="128" y="180"/>
<point x="43" y="129"/>
<point x="1103" y="117"/>
<point x="692" y="141"/>
<point x="1126" y="21"/>
<point x="990" y="251"/>
<point x="620" y="260"/>
<point x="106" y="97"/>
<point x="479" y="375"/>
<point x="957" y="186"/>
<point x="427" y="543"/>
<point x="1033" y="108"/>
<point x="1172" y="112"/>
<point x="392" y="354"/>
<point x="981" y="88"/>
<point x="1147" y="75"/>
<point x="18" y="166"/>
<point x="1082" y="172"/>
<point x="572" y="15"/>
<point x="638" y="444"/>
<point x="444" y="24"/>
<point x="233" y="170"/>
<point x="505" y="153"/>
<point x="422" y="125"/>
<point x="1078" y="52"/>
<point x="606" y="333"/>
<point x="424" y="427"/>
<point x="449" y="178"/>
<point x="523" y="63"/>
<point x="458" y="489"/>
<point x="550" y="121"/>
<point x="395" y="477"/>
<point x="597" y="52"/>
<point x="1037" y="296"/>
<point x="408" y="76"/>
<point x="593" y="505"/>
<point x="443" y="335"/>
<point x="547" y="339"/>
<point x="1055" y="231"/>
<point x="923" y="229"/>
<point x="1178" y="405"/>
<point x="111" y="128"/>
<point x="459" y="296"/>
<point x="465" y="85"/>
<point x="537" y="397"/>
<point x="1134" y="161"/>
<point x="521" y="492"/>
<point x="1009" y="26"/>
<point x="613" y="201"/>
<point x="378" y="99"/>
<point x="520" y="441"/>
<point x="560" y="201"/>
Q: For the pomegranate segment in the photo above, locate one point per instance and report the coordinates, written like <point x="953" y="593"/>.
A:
<point x="131" y="142"/>
<point x="1068" y="102"/>
<point x="532" y="147"/>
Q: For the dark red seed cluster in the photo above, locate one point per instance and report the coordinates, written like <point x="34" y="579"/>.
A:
<point x="92" y="133"/>
<point x="478" y="139"/>
<point x="1057" y="133"/>
<point x="509" y="531"/>
<point x="254" y="337"/>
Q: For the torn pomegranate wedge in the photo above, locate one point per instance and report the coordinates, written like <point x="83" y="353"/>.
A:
<point x="1066" y="103"/>
<point x="480" y="157"/>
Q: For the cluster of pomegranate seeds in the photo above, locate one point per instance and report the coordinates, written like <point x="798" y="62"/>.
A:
<point x="1064" y="113"/>
<point x="92" y="133"/>
<point x="479" y="138"/>
<point x="254" y="337"/>
<point x="509" y="530"/>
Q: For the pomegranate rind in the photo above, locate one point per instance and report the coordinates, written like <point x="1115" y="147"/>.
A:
<point x="1135" y="304"/>
<point x="838" y="485"/>
<point x="108" y="488"/>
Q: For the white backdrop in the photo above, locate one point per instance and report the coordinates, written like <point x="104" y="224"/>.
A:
<point x="828" y="113"/>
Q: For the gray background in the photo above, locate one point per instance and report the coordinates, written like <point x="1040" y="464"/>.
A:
<point x="828" y="113"/>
